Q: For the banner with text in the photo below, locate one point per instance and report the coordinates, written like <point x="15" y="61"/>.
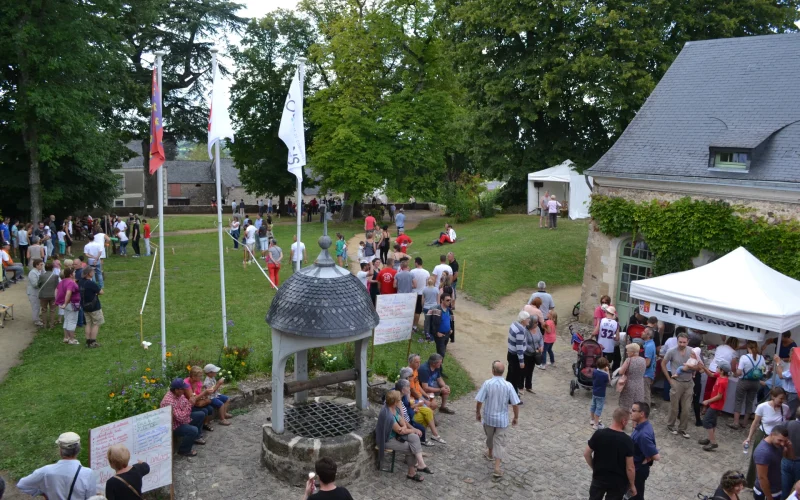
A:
<point x="147" y="436"/>
<point x="697" y="321"/>
<point x="397" y="317"/>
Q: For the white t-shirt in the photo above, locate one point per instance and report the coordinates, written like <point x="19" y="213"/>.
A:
<point x="362" y="276"/>
<point x="70" y="227"/>
<point x="61" y="235"/>
<point x="452" y="234"/>
<point x="297" y="256"/>
<point x="605" y="335"/>
<point x="438" y="270"/>
<point x="722" y="353"/>
<point x="4" y="256"/>
<point x="250" y="234"/>
<point x="770" y="417"/>
<point x="746" y="363"/>
<point x="121" y="235"/>
<point x="420" y="277"/>
<point x="552" y="206"/>
<point x="122" y="226"/>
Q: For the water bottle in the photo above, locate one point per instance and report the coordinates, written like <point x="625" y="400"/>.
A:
<point x="746" y="447"/>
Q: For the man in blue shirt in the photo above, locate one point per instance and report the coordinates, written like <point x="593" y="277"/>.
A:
<point x="431" y="381"/>
<point x="494" y="397"/>
<point x="400" y="221"/>
<point x="438" y="324"/>
<point x="6" y="233"/>
<point x="650" y="363"/>
<point x="644" y="446"/>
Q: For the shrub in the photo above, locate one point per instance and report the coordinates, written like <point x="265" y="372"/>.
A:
<point x="235" y="360"/>
<point x="487" y="204"/>
<point x="140" y="396"/>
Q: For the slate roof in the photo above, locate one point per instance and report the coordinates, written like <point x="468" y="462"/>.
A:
<point x="323" y="301"/>
<point x="189" y="171"/>
<point x="735" y="93"/>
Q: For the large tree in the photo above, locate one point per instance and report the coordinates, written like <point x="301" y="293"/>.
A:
<point x="562" y="79"/>
<point x="265" y="63"/>
<point x="59" y="137"/>
<point x="387" y="100"/>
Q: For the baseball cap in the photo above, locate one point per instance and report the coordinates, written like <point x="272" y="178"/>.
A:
<point x="68" y="438"/>
<point x="723" y="365"/>
<point x="611" y="310"/>
<point x="178" y="383"/>
<point x="211" y="368"/>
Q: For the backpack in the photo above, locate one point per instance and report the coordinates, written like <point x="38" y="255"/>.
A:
<point x="754" y="373"/>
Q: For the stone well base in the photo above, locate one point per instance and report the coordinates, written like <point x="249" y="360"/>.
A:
<point x="291" y="457"/>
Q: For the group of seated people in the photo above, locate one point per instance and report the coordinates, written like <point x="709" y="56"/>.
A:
<point x="193" y="402"/>
<point x="407" y="414"/>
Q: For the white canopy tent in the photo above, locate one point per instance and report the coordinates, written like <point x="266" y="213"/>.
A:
<point x="566" y="183"/>
<point x="736" y="295"/>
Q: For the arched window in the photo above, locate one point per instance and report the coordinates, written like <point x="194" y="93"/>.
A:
<point x="635" y="263"/>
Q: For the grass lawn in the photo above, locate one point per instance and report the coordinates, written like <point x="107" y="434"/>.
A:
<point x="59" y="388"/>
<point x="506" y="253"/>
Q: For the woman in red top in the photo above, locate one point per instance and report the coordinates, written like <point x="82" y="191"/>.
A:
<point x="600" y="312"/>
<point x="195" y="381"/>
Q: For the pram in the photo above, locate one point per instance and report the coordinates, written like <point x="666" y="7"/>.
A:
<point x="588" y="354"/>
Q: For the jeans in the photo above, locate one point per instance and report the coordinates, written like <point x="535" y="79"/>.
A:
<point x="123" y="248"/>
<point x="98" y="274"/>
<point x="189" y="432"/>
<point x="642" y="473"/>
<point x="790" y="474"/>
<point x="598" y="402"/>
<point x="147" y="247"/>
<point x="441" y="344"/>
<point x="666" y="387"/>
<point x="18" y="270"/>
<point x="548" y="348"/>
<point x="235" y="235"/>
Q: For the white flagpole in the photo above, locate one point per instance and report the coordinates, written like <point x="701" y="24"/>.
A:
<point x="214" y="51"/>
<point x="302" y="73"/>
<point x="162" y="246"/>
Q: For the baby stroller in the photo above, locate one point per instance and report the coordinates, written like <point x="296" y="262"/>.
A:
<point x="588" y="354"/>
<point x="576" y="338"/>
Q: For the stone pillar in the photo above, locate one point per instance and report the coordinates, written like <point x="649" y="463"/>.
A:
<point x="361" y="364"/>
<point x="301" y="373"/>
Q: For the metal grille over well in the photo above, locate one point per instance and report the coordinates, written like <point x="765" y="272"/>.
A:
<point x="322" y="419"/>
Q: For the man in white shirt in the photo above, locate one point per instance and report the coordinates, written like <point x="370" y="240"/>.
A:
<point x="250" y="243"/>
<point x="9" y="264"/>
<point x="438" y="270"/>
<point x="64" y="479"/>
<point x="298" y="256"/>
<point x="420" y="276"/>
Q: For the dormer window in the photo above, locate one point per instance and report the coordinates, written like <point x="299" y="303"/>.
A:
<point x="738" y="161"/>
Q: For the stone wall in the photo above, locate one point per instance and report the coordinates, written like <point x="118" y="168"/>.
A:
<point x="601" y="273"/>
<point x="198" y="194"/>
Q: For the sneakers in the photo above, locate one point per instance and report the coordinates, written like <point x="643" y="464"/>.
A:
<point x="710" y="447"/>
<point x="672" y="429"/>
<point x="427" y="442"/>
<point x="703" y="441"/>
<point x="600" y="426"/>
<point x="542" y="367"/>
<point x="684" y="434"/>
<point x="594" y="427"/>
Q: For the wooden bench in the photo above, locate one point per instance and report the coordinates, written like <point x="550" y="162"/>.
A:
<point x="5" y="311"/>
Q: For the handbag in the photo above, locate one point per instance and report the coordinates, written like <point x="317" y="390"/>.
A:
<point x="621" y="381"/>
<point x="537" y="358"/>
<point x="202" y="402"/>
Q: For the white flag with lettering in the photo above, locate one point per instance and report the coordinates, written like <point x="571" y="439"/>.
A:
<point x="219" y="121"/>
<point x="291" y="131"/>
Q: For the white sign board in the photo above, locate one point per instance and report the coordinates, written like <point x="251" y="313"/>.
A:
<point x="147" y="436"/>
<point x="397" y="315"/>
<point x="697" y="321"/>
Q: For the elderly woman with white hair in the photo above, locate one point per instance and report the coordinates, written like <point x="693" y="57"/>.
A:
<point x="419" y="415"/>
<point x="516" y="351"/>
<point x="633" y="369"/>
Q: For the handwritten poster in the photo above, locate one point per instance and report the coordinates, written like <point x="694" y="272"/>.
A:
<point x="397" y="315"/>
<point x="147" y="436"/>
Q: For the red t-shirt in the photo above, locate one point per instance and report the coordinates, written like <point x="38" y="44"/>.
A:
<point x="403" y="240"/>
<point x="147" y="231"/>
<point x="720" y="387"/>
<point x="370" y="222"/>
<point x="386" y="280"/>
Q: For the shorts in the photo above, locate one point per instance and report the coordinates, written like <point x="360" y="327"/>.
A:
<point x="94" y="318"/>
<point x="251" y="246"/>
<point x="418" y="307"/>
<point x="710" y="419"/>
<point x="598" y="402"/>
<point x="70" y="317"/>
<point x="219" y="400"/>
<point x="496" y="441"/>
<point x="263" y="242"/>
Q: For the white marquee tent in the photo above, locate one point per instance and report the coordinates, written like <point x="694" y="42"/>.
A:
<point x="736" y="294"/>
<point x="566" y="183"/>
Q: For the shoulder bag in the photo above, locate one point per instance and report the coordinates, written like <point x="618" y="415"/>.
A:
<point x="39" y="293"/>
<point x="74" y="480"/>
<point x="623" y="379"/>
<point x="126" y="483"/>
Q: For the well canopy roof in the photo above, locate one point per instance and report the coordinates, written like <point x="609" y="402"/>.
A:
<point x="736" y="287"/>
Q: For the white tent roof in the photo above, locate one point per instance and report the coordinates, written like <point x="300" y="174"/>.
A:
<point x="737" y="287"/>
<point x="559" y="173"/>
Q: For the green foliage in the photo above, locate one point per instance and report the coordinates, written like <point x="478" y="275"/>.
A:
<point x="139" y="396"/>
<point x="676" y="232"/>
<point x="235" y="360"/>
<point x="461" y="197"/>
<point x="487" y="204"/>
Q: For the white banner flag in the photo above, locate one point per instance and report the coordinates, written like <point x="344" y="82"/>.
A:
<point x="702" y="322"/>
<point x="291" y="131"/>
<point x="219" y="121"/>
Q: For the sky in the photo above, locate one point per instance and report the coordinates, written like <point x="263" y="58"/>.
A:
<point x="257" y="8"/>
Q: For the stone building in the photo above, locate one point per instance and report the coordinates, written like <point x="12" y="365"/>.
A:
<point x="722" y="124"/>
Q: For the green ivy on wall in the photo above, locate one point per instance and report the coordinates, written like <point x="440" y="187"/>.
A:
<point x="677" y="231"/>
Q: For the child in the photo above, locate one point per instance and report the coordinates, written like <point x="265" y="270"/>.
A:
<point x="62" y="241"/>
<point x="715" y="403"/>
<point x="549" y="337"/>
<point x="694" y="359"/>
<point x="361" y="257"/>
<point x="600" y="378"/>
<point x="340" y="249"/>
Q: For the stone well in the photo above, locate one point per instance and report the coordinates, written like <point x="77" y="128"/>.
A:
<point x="326" y="426"/>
